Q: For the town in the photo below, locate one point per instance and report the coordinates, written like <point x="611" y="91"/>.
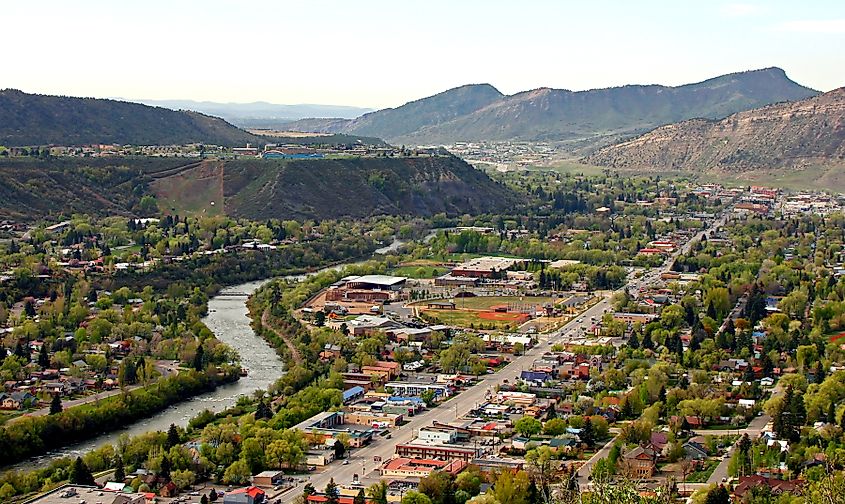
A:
<point x="657" y="338"/>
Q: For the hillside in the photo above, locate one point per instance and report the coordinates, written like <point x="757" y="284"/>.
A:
<point x="786" y="137"/>
<point x="410" y="117"/>
<point x="332" y="188"/>
<point x="35" y="189"/>
<point x="562" y="115"/>
<point x="30" y="119"/>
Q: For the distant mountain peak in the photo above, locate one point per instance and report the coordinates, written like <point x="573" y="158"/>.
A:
<point x="480" y="112"/>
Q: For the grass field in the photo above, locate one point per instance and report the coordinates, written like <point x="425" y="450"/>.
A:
<point x="489" y="302"/>
<point x="420" y="271"/>
<point x="466" y="318"/>
<point x="480" y="311"/>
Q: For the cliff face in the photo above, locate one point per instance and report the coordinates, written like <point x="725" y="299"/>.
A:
<point x="783" y="136"/>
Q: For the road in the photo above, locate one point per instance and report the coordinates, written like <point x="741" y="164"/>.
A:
<point x="166" y="368"/>
<point x="361" y="461"/>
<point x="753" y="430"/>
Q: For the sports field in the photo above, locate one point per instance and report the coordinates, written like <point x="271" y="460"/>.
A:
<point x="488" y="312"/>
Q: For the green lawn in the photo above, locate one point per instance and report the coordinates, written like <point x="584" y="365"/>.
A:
<point x="420" y="271"/>
<point x="704" y="473"/>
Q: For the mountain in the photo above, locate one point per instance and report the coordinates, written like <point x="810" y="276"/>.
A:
<point x="32" y="119"/>
<point x="782" y="137"/>
<point x="53" y="189"/>
<point x="561" y="115"/>
<point x="412" y="116"/>
<point x="256" y="113"/>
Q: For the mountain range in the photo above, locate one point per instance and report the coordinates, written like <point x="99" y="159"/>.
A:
<point x="805" y="136"/>
<point x="259" y="114"/>
<point x="480" y="112"/>
<point x="32" y="119"/>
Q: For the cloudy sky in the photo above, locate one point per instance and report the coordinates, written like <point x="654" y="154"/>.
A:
<point x="384" y="53"/>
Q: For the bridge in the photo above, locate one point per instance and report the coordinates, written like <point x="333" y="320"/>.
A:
<point x="229" y="293"/>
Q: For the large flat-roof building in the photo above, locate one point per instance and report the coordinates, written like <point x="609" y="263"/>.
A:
<point x="484" y="267"/>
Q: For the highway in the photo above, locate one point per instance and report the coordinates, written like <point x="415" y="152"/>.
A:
<point x="361" y="461"/>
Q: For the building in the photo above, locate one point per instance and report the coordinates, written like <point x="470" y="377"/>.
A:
<point x="451" y="280"/>
<point x="437" y="435"/>
<point x="247" y="495"/>
<point x="403" y="467"/>
<point x="640" y="462"/>
<point x="353" y="394"/>
<point x="484" y="267"/>
<point x="433" y="451"/>
<point x="268" y="478"/>
<point x="633" y="318"/>
<point x="377" y="420"/>
<point x="417" y="388"/>
<point x="319" y="458"/>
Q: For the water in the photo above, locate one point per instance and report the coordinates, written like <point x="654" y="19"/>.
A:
<point x="228" y="319"/>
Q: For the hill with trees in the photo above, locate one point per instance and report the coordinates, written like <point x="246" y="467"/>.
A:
<point x="32" y="119"/>
<point x="55" y="188"/>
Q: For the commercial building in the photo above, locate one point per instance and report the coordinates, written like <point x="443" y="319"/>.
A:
<point x="403" y="467"/>
<point x="434" y="451"/>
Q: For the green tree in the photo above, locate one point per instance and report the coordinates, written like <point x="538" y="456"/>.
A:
<point x="80" y="474"/>
<point x="172" y="437"/>
<point x="56" y="404"/>
<point x="528" y="426"/>
<point x="554" y="427"/>
<point x="378" y="492"/>
<point x="237" y="473"/>
<point x="119" y="470"/>
<point x="414" y="497"/>
<point x="332" y="493"/>
<point x="360" y="498"/>
<point x="718" y="495"/>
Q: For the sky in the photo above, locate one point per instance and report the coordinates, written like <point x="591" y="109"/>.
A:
<point x="384" y="53"/>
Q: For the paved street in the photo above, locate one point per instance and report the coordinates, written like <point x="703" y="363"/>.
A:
<point x="361" y="462"/>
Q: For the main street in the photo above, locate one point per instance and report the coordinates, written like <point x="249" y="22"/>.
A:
<point x="362" y="461"/>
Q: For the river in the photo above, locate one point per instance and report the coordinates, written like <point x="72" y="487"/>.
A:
<point x="229" y="320"/>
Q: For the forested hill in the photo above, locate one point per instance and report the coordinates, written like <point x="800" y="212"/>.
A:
<point x="31" y="119"/>
<point x="35" y="189"/>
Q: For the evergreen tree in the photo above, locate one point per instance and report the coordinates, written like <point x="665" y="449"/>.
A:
<point x="332" y="492"/>
<point x="587" y="434"/>
<point x="164" y="470"/>
<point x="80" y="474"/>
<point x="199" y="358"/>
<point x="647" y="343"/>
<point x="44" y="357"/>
<point x="360" y="498"/>
<point x="172" y="437"/>
<point x="56" y="404"/>
<point x="633" y="342"/>
<point x="119" y="471"/>
<point x="263" y="411"/>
